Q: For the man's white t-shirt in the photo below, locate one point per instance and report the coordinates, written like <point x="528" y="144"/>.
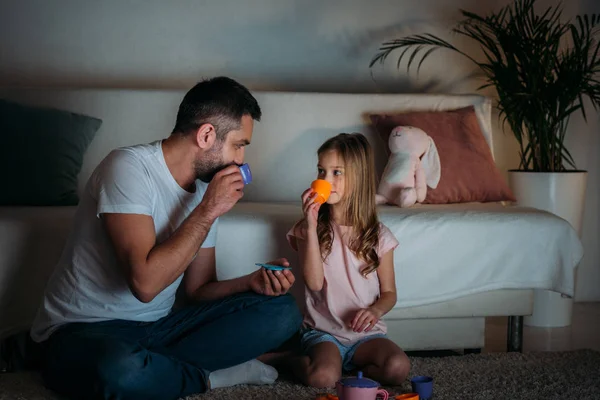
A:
<point x="88" y="284"/>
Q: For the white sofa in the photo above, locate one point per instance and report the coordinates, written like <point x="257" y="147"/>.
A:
<point x="456" y="264"/>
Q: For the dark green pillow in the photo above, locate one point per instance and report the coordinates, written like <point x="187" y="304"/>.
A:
<point x="41" y="152"/>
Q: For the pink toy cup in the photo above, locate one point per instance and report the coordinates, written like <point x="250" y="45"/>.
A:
<point x="359" y="388"/>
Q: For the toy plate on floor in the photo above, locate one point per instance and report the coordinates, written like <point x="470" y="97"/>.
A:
<point x="407" y="396"/>
<point x="326" y="396"/>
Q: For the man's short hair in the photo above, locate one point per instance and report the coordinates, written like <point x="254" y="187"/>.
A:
<point x="219" y="101"/>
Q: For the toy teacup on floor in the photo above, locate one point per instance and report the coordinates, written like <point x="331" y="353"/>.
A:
<point x="359" y="388"/>
<point x="423" y="385"/>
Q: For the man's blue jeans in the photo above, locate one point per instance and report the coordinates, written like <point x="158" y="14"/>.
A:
<point x="169" y="358"/>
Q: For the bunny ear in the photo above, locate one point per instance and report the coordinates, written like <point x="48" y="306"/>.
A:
<point x="431" y="165"/>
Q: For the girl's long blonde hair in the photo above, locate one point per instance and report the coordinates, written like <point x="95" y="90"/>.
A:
<point x="359" y="199"/>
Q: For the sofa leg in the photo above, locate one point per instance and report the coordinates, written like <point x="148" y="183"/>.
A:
<point x="472" y="351"/>
<point x="515" y="334"/>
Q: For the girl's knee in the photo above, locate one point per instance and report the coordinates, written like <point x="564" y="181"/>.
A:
<point x="396" y="368"/>
<point x="323" y="376"/>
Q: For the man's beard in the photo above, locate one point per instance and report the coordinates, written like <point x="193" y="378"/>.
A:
<point x="210" y="163"/>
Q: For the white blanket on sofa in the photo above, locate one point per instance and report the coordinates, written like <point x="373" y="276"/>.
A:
<point x="446" y="252"/>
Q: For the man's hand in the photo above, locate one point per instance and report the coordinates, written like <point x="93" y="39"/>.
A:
<point x="272" y="283"/>
<point x="365" y="319"/>
<point x="223" y="191"/>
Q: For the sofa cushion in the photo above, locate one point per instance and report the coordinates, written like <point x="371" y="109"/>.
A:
<point x="469" y="173"/>
<point x="42" y="153"/>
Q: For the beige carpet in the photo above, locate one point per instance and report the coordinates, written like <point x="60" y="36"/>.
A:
<point x="532" y="376"/>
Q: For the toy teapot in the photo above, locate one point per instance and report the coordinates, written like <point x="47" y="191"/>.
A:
<point x="359" y="388"/>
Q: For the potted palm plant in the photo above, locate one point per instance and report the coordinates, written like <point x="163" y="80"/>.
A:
<point x="542" y="68"/>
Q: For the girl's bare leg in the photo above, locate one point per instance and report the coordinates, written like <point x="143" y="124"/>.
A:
<point x="382" y="360"/>
<point x="321" y="368"/>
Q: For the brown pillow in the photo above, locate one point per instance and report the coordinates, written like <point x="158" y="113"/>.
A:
<point x="469" y="173"/>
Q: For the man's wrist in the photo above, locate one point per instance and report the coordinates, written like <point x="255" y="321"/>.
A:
<point x="246" y="284"/>
<point x="206" y="212"/>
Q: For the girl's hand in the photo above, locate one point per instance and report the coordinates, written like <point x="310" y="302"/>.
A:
<point x="365" y="319"/>
<point x="310" y="208"/>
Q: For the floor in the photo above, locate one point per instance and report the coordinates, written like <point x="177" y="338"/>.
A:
<point x="584" y="333"/>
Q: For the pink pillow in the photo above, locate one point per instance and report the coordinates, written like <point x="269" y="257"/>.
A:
<point x="469" y="173"/>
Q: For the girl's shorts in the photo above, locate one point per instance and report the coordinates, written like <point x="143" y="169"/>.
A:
<point x="310" y="337"/>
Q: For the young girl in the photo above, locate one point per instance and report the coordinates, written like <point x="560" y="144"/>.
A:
<point x="346" y="256"/>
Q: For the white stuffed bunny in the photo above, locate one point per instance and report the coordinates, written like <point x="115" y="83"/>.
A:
<point x="413" y="165"/>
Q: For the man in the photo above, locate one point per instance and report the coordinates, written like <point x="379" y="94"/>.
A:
<point x="146" y="224"/>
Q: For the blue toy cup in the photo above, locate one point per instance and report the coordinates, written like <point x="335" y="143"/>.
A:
<point x="246" y="174"/>
<point x="423" y="385"/>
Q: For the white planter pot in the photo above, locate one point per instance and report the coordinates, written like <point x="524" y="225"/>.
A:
<point x="563" y="194"/>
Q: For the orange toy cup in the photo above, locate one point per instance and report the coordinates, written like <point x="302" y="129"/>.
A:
<point x="323" y="190"/>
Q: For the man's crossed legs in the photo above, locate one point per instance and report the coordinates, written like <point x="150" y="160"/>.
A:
<point x="172" y="357"/>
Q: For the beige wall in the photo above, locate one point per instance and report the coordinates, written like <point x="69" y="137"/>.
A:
<point x="304" y="45"/>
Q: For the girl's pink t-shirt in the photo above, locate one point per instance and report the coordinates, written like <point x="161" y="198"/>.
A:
<point x="345" y="290"/>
